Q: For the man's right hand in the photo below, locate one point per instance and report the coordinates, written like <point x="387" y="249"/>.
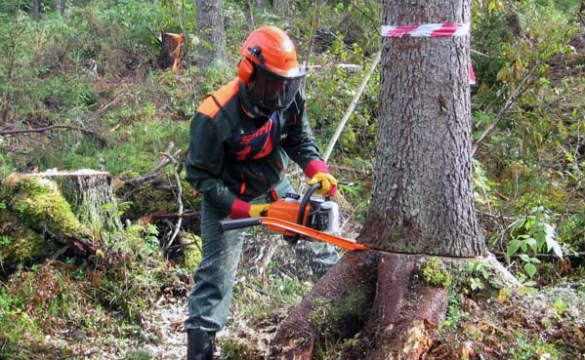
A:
<point x="257" y="210"/>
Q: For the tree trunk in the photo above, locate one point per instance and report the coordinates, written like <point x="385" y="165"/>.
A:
<point x="37" y="9"/>
<point x="422" y="199"/>
<point x="59" y="6"/>
<point x="284" y="9"/>
<point x="212" y="32"/>
<point x="422" y="202"/>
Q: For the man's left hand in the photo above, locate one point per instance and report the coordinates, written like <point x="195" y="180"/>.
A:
<point x="327" y="181"/>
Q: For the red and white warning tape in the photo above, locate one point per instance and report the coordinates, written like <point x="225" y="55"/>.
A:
<point x="431" y="30"/>
<point x="426" y="30"/>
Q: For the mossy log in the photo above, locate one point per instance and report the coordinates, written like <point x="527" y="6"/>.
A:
<point x="393" y="301"/>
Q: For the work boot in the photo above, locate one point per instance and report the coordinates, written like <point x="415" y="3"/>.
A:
<point x="200" y="344"/>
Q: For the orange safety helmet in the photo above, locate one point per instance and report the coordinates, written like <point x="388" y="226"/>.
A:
<point x="269" y="66"/>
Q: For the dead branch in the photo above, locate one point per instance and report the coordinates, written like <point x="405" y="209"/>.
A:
<point x="83" y="130"/>
<point x="179" y="200"/>
<point x="154" y="172"/>
<point x="514" y="96"/>
<point x="186" y="214"/>
<point x="105" y="107"/>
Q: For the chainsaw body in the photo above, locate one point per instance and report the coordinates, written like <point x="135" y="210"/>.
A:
<point x="313" y="212"/>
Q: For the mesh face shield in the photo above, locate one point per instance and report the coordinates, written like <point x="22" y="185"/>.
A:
<point x="273" y="91"/>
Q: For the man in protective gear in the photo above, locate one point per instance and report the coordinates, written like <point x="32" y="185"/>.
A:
<point x="242" y="138"/>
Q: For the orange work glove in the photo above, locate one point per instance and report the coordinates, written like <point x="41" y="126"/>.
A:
<point x="327" y="181"/>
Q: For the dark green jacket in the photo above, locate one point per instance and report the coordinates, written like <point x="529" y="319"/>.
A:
<point x="236" y="153"/>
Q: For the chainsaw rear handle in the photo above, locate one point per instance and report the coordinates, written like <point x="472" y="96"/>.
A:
<point x="239" y="223"/>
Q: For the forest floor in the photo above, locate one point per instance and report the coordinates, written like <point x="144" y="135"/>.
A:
<point x="548" y="323"/>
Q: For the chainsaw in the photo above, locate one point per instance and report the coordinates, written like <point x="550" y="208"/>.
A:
<point x="296" y="217"/>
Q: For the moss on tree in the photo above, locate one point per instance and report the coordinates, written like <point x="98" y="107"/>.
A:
<point x="18" y="244"/>
<point x="41" y="206"/>
<point x="436" y="273"/>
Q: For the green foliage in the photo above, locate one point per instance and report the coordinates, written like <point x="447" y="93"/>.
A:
<point x="237" y="349"/>
<point x="530" y="235"/>
<point x="479" y="274"/>
<point x="139" y="354"/>
<point x="192" y="252"/>
<point x="454" y="312"/>
<point x="532" y="348"/>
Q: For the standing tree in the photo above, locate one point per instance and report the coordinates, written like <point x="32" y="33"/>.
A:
<point x="36" y="9"/>
<point x="59" y="6"/>
<point x="211" y="31"/>
<point x="422" y="201"/>
<point x="283" y="8"/>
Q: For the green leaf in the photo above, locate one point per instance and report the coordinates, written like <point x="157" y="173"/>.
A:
<point x="530" y="269"/>
<point x="524" y="257"/>
<point x="513" y="247"/>
<point x="532" y="243"/>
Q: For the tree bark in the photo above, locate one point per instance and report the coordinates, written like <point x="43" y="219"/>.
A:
<point x="212" y="32"/>
<point x="422" y="199"/>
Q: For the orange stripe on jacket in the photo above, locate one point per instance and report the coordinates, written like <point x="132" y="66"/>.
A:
<point x="223" y="95"/>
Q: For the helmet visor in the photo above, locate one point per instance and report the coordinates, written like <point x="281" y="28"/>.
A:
<point x="273" y="91"/>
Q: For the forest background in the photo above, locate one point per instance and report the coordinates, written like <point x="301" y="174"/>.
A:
<point x="81" y="87"/>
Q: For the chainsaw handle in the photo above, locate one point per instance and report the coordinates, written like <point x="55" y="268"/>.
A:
<point x="304" y="201"/>
<point x="239" y="223"/>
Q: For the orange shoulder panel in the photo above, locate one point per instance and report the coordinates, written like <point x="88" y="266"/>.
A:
<point x="223" y="95"/>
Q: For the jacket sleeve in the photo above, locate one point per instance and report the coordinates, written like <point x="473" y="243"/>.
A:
<point x="205" y="162"/>
<point x="300" y="144"/>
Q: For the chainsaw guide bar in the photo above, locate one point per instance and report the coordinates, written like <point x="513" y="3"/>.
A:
<point x="295" y="228"/>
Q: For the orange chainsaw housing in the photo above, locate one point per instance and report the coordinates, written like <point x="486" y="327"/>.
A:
<point x="288" y="211"/>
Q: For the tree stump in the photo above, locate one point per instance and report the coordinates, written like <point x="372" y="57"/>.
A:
<point x="90" y="195"/>
<point x="42" y="212"/>
<point x="170" y="51"/>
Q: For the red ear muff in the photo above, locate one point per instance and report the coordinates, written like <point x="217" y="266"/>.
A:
<point x="245" y="70"/>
